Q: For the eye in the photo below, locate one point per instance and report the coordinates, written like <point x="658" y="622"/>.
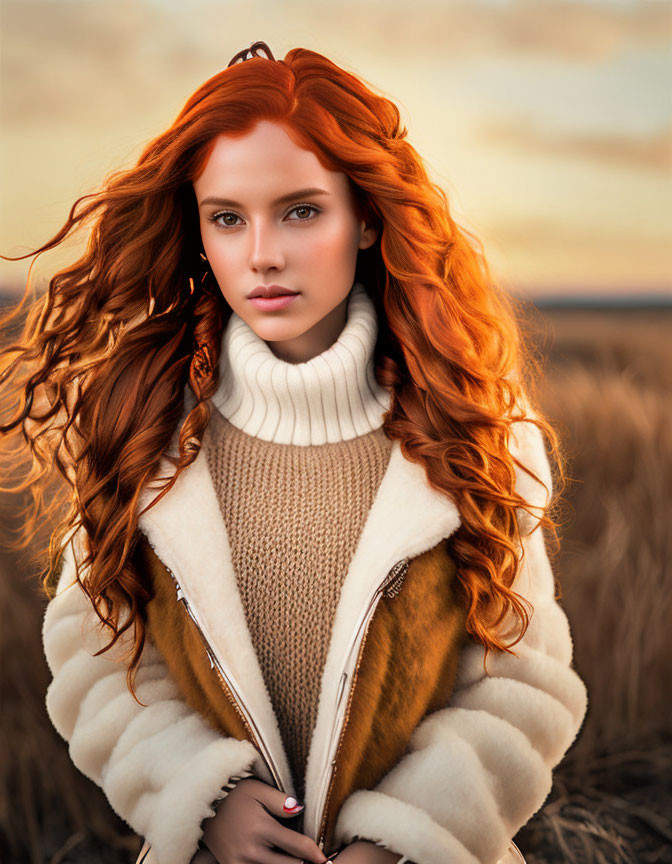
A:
<point x="225" y="214"/>
<point x="316" y="210"/>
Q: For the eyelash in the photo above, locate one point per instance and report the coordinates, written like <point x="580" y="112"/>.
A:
<point x="216" y="216"/>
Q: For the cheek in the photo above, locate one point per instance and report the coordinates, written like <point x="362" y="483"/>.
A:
<point x="334" y="242"/>
<point x="219" y="258"/>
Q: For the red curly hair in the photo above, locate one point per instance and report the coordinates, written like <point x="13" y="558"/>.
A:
<point x="101" y="381"/>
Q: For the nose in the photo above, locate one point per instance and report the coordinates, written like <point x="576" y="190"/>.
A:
<point x="266" y="251"/>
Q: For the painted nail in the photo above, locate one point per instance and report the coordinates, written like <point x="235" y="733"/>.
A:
<point x="291" y="804"/>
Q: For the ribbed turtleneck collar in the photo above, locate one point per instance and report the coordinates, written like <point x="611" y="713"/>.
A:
<point x="332" y="397"/>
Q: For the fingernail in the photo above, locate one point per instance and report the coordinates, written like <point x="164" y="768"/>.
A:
<point x="291" y="804"/>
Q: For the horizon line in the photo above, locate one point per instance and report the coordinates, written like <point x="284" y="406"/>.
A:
<point x="619" y="299"/>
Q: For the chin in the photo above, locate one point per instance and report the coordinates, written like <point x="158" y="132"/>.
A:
<point x="271" y="328"/>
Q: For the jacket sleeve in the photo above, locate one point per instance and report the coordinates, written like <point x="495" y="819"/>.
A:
<point x="160" y="766"/>
<point x="477" y="770"/>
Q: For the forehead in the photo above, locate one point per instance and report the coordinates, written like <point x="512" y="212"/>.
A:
<point x="263" y="163"/>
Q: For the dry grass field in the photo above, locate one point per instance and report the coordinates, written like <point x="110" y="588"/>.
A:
<point x="607" y="388"/>
<point x="608" y="378"/>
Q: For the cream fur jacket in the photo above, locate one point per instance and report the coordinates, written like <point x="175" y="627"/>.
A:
<point x="473" y="772"/>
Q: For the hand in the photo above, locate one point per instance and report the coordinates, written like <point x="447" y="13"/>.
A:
<point x="244" y="829"/>
<point x="366" y="852"/>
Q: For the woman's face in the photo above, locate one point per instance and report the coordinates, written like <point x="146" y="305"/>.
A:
<point x="271" y="214"/>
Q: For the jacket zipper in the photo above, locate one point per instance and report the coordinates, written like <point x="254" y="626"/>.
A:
<point x="390" y="586"/>
<point x="227" y="680"/>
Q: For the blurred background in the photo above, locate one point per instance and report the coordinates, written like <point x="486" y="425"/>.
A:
<point x="549" y="125"/>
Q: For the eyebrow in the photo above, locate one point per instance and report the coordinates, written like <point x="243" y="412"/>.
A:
<point x="229" y="202"/>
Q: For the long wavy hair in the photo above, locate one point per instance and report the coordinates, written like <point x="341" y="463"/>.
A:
<point x="100" y="368"/>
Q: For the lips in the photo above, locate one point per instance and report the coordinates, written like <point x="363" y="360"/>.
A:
<point x="270" y="291"/>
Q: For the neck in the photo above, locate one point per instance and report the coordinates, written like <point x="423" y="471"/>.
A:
<point x="331" y="397"/>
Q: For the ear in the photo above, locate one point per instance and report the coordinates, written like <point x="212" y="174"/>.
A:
<point x="367" y="235"/>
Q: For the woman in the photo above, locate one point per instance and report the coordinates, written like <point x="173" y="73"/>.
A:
<point x="308" y="530"/>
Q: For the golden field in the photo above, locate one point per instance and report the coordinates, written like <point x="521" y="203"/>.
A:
<point x="606" y="386"/>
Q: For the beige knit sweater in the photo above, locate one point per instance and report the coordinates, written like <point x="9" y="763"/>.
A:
<point x="297" y="453"/>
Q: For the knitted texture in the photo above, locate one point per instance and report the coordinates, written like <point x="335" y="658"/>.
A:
<point x="294" y="515"/>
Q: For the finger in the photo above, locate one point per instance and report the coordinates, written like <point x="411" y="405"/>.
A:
<point x="293" y="843"/>
<point x="271" y="807"/>
<point x="271" y="798"/>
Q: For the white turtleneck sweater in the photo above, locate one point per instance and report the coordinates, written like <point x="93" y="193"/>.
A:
<point x="297" y="453"/>
<point x="332" y="397"/>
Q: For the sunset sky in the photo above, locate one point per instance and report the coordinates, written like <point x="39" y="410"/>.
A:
<point x="549" y="124"/>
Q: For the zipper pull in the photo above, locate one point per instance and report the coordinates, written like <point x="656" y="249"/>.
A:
<point x="396" y="577"/>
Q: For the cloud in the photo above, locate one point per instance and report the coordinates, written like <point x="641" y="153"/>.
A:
<point x="112" y="34"/>
<point x="575" y="31"/>
<point x="537" y="253"/>
<point x="652" y="152"/>
<point x="580" y="239"/>
<point x="442" y="30"/>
